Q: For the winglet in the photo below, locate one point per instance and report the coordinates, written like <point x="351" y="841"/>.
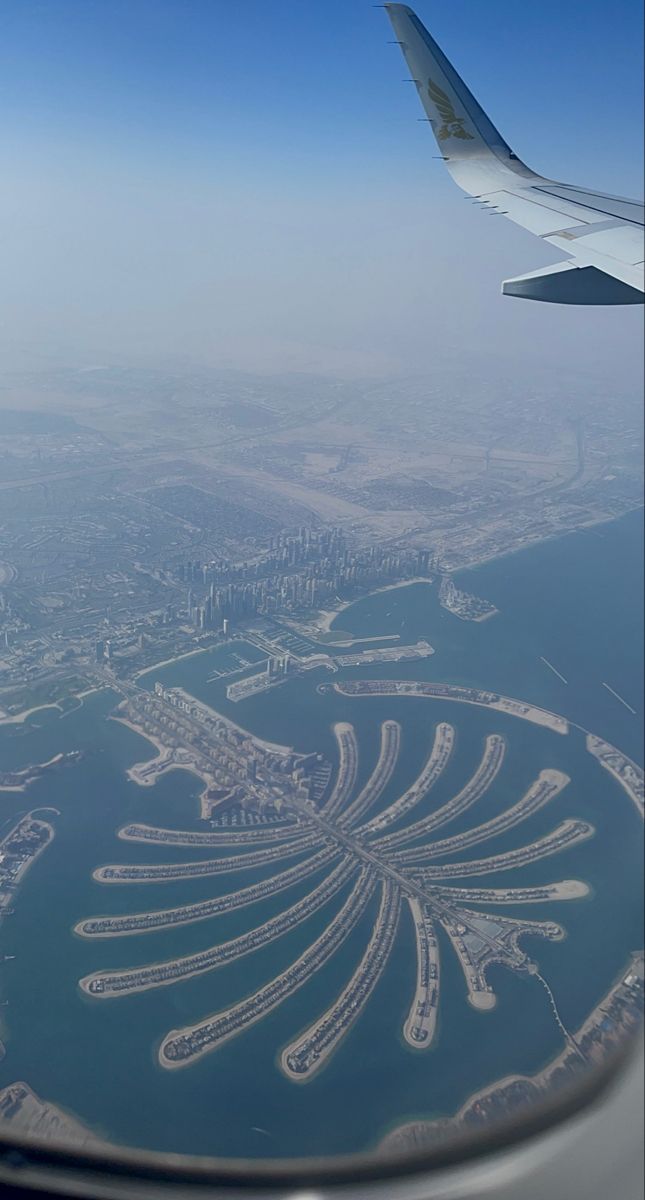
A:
<point x="475" y="151"/>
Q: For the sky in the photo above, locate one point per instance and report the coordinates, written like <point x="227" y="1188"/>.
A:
<point x="248" y="185"/>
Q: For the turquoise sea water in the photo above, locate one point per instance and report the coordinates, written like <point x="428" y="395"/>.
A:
<point x="575" y="601"/>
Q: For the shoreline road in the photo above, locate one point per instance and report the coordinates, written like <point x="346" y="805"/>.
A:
<point x="569" y="833"/>
<point x="149" y="922"/>
<point x="478" y="784"/>
<point x="546" y="787"/>
<point x="421" y="1024"/>
<point x="171" y="872"/>
<point x="453" y="691"/>
<point x="181" y="1047"/>
<point x="436" y="763"/>
<point x="309" y="1052"/>
<point x="565" y="889"/>
<point x="347" y="770"/>
<point x="380" y="777"/>
<point x="187" y="837"/>
<point x="112" y="984"/>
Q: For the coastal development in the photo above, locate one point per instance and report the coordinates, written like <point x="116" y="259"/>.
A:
<point x="569" y="833"/>
<point x="545" y="788"/>
<point x="282" y="669"/>
<point x="436" y="763"/>
<point x="19" y="849"/>
<point x="191" y="736"/>
<point x="182" y="1046"/>
<point x="171" y="872"/>
<point x="380" y="777"/>
<point x="478" y="784"/>
<point x="334" y="846"/>
<point x="463" y="604"/>
<point x="138" y="979"/>
<point x="629" y="775"/>
<point x="19" y="781"/>
<point x="304" y="1056"/>
<point x="23" y="1113"/>
<point x="616" y="1018"/>
<point x="421" y="1024"/>
<point x="186" y="914"/>
<point x="483" y="941"/>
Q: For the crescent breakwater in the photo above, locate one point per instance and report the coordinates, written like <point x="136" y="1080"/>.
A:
<point x="450" y="691"/>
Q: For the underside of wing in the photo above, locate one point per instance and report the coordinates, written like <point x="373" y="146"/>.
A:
<point x="602" y="235"/>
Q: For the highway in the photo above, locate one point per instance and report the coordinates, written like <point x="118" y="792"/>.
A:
<point x="409" y="886"/>
<point x="476" y="954"/>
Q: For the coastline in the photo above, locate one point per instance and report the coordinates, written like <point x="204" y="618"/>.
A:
<point x="484" y="559"/>
<point x="19" y="718"/>
<point x="148" y="737"/>
<point x="425" y="1132"/>
<point x="323" y="621"/>
<point x="163" y="765"/>
<point x="169" y="662"/>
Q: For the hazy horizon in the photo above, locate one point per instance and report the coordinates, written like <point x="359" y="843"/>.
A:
<point x="252" y="189"/>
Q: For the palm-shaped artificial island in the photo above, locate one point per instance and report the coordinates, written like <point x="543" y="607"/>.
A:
<point x="358" y="850"/>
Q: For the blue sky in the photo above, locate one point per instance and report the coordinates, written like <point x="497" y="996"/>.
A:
<point x="208" y="169"/>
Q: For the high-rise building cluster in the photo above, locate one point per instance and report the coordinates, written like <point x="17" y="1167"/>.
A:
<point x="299" y="571"/>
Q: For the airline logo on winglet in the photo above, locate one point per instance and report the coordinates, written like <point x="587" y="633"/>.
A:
<point x="453" y="126"/>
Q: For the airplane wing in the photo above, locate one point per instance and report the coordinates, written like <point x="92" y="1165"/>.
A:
<point x="602" y="235"/>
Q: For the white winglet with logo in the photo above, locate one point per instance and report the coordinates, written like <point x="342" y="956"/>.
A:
<point x="602" y="235"/>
